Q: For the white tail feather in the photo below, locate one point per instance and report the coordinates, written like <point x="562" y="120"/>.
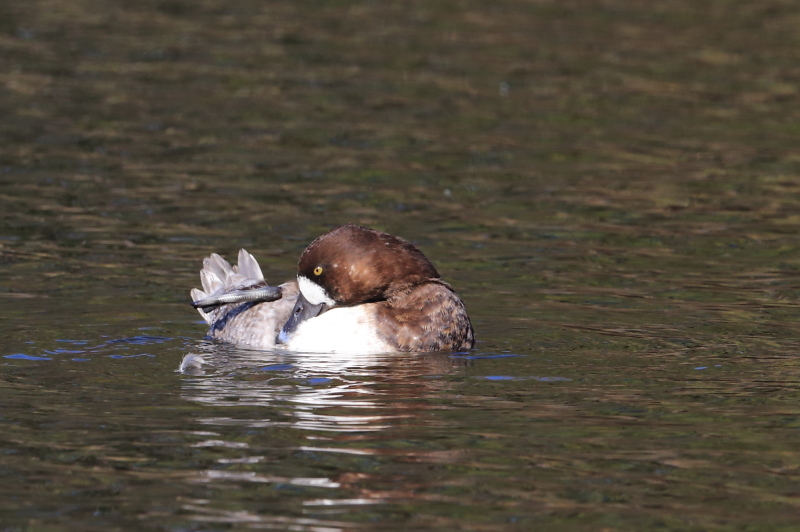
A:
<point x="211" y="283"/>
<point x="218" y="276"/>
<point x="248" y="266"/>
<point x="216" y="264"/>
<point x="197" y="295"/>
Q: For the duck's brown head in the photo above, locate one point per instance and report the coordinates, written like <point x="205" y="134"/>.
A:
<point x="351" y="265"/>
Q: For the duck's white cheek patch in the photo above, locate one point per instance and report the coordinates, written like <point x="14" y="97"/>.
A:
<point x="313" y="292"/>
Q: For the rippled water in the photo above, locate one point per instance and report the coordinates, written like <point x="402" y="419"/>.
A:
<point x="613" y="187"/>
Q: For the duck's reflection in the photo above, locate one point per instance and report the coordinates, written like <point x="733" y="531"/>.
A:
<point x="336" y="408"/>
<point x="318" y="392"/>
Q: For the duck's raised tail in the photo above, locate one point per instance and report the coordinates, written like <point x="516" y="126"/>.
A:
<point x="225" y="284"/>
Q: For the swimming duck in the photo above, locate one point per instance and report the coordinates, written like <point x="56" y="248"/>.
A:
<point x="357" y="290"/>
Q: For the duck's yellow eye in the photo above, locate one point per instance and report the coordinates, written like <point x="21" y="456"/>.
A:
<point x="318" y="270"/>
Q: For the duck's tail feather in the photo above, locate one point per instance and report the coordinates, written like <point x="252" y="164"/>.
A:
<point x="248" y="266"/>
<point x="214" y="273"/>
<point x="219" y="277"/>
<point x="198" y="295"/>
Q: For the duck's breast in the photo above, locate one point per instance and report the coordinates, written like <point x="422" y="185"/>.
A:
<point x="339" y="330"/>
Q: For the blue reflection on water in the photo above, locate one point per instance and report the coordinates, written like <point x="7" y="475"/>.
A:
<point x="22" y="356"/>
<point x="317" y="381"/>
<point x="481" y="357"/>
<point x="510" y="378"/>
<point x="277" y="367"/>
<point x="115" y="344"/>
<point x="140" y="340"/>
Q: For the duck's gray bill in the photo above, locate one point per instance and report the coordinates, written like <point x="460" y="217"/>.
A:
<point x="302" y="311"/>
<point x="267" y="293"/>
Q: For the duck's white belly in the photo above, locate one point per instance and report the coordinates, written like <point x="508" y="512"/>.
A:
<point x="339" y="330"/>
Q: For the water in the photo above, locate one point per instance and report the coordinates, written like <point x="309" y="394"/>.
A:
<point x="612" y="188"/>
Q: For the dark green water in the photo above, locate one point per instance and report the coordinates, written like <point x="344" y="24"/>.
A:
<point x="613" y="187"/>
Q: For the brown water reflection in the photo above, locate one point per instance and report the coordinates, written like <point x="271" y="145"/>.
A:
<point x="611" y="186"/>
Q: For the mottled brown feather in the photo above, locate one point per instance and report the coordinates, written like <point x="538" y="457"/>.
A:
<point x="426" y="317"/>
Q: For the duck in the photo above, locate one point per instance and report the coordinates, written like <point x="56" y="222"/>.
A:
<point x="357" y="290"/>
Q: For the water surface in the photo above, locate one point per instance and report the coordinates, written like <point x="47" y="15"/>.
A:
<point x="611" y="186"/>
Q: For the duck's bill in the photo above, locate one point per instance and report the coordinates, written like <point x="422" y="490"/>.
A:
<point x="267" y="293"/>
<point x="302" y="311"/>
